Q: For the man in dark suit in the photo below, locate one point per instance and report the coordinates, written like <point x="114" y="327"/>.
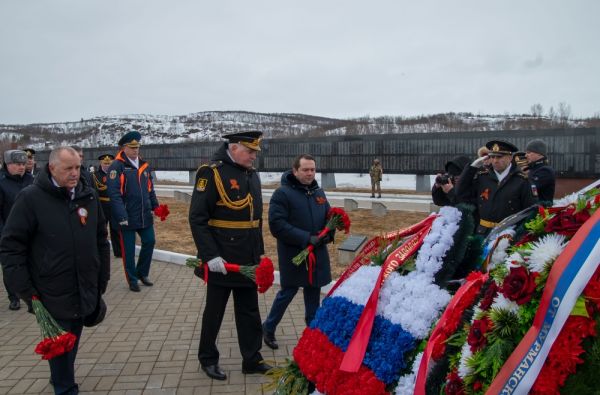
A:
<point x="54" y="247"/>
<point x="13" y="178"/>
<point x="540" y="174"/>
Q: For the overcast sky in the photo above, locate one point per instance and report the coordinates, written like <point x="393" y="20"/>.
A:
<point x="64" y="60"/>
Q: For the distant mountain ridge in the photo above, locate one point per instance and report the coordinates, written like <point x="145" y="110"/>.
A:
<point x="210" y="125"/>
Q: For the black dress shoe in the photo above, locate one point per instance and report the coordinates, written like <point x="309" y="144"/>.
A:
<point x="260" y="368"/>
<point x="134" y="287"/>
<point x="14" y="305"/>
<point x="146" y="281"/>
<point x="270" y="340"/>
<point x="214" y="372"/>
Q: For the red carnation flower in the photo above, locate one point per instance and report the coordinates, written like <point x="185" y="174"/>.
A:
<point x="454" y="384"/>
<point x="477" y="334"/>
<point x="488" y="297"/>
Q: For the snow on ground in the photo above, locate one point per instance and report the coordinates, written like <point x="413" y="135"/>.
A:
<point x="342" y="180"/>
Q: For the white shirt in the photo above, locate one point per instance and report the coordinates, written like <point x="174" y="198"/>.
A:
<point x="502" y="176"/>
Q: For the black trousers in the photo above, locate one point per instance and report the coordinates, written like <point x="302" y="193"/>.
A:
<point x="62" y="368"/>
<point x="247" y="322"/>
<point x="11" y="294"/>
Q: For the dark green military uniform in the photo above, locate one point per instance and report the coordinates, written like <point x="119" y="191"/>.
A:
<point x="495" y="201"/>
<point x="226" y="221"/>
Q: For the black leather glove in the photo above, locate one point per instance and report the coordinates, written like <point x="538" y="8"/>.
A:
<point x="315" y="241"/>
<point x="198" y="272"/>
<point x="329" y="237"/>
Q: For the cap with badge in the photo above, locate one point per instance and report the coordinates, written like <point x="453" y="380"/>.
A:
<point x="106" y="159"/>
<point x="500" y="148"/>
<point x="15" y="156"/>
<point x="30" y="152"/>
<point x="249" y="139"/>
<point x="131" y="139"/>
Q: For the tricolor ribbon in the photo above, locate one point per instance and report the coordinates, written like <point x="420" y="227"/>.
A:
<point x="357" y="347"/>
<point x="364" y="256"/>
<point x="568" y="277"/>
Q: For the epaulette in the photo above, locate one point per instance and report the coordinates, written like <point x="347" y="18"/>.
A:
<point x="483" y="170"/>
<point x="522" y="175"/>
<point x="216" y="164"/>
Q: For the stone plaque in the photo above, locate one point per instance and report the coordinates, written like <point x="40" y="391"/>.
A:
<point x="352" y="243"/>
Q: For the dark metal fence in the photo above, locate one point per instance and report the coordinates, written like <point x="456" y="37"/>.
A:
<point x="571" y="152"/>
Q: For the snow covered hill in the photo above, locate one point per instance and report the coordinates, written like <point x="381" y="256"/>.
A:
<point x="210" y="125"/>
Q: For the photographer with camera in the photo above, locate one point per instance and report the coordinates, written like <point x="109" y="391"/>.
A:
<point x="443" y="193"/>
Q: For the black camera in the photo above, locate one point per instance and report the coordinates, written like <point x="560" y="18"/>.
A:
<point x="443" y="179"/>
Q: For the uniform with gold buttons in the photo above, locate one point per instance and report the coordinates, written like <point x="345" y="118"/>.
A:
<point x="226" y="222"/>
<point x="495" y="199"/>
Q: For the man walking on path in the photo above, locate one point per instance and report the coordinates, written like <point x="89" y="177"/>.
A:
<point x="54" y="247"/>
<point x="132" y="200"/>
<point x="376" y="174"/>
<point x="13" y="178"/>
<point x="100" y="178"/>
<point x="297" y="212"/>
<point x="226" y="223"/>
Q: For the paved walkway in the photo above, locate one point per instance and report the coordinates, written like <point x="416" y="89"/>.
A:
<point x="147" y="344"/>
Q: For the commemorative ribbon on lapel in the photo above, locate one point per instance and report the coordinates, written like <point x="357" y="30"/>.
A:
<point x="373" y="244"/>
<point x="464" y="296"/>
<point x="357" y="347"/>
<point x="568" y="277"/>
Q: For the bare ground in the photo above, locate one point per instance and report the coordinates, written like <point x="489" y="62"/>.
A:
<point x="174" y="233"/>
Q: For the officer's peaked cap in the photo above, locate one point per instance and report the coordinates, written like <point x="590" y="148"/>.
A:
<point x="131" y="139"/>
<point x="500" y="148"/>
<point x="30" y="152"/>
<point x="250" y="139"/>
<point x="106" y="158"/>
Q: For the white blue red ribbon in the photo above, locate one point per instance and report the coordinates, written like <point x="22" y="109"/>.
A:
<point x="570" y="274"/>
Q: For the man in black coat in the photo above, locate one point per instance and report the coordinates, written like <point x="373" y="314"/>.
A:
<point x="54" y="246"/>
<point x="100" y="178"/>
<point x="443" y="191"/>
<point x="540" y="174"/>
<point x="226" y="223"/>
<point x="499" y="191"/>
<point x="13" y="178"/>
<point x="297" y="213"/>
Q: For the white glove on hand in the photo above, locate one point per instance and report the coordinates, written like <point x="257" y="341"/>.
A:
<point x="479" y="161"/>
<point x="217" y="265"/>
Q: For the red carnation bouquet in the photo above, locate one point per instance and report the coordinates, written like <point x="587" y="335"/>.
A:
<point x="262" y="274"/>
<point x="162" y="211"/>
<point x="55" y="340"/>
<point x="336" y="219"/>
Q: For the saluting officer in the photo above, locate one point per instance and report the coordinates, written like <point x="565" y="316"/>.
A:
<point x="226" y="223"/>
<point x="132" y="200"/>
<point x="100" y="178"/>
<point x="540" y="174"/>
<point x="499" y="191"/>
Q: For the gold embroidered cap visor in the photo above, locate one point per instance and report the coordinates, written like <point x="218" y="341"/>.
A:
<point x="500" y="148"/>
<point x="106" y="159"/>
<point x="250" y="139"/>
